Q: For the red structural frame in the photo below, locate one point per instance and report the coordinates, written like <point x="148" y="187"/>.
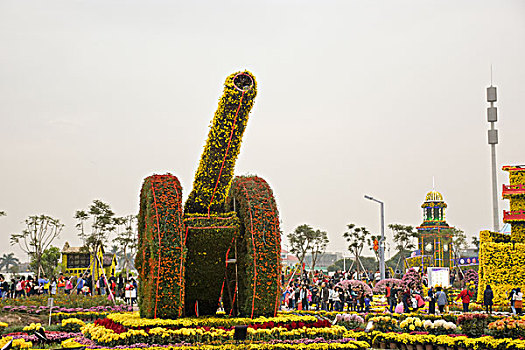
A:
<point x="518" y="215"/>
<point x="513" y="189"/>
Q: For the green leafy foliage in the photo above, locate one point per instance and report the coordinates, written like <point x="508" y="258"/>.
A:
<point x="41" y="231"/>
<point x="356" y="237"/>
<point x="8" y="260"/>
<point x="50" y="262"/>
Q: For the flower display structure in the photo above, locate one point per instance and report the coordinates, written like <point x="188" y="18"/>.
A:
<point x="501" y="266"/>
<point x="161" y="252"/>
<point x="212" y="240"/>
<point x="380" y="287"/>
<point x="260" y="245"/>
<point x="186" y="258"/>
<point x="345" y="284"/>
<point x="215" y="172"/>
<point x="412" y="278"/>
<point x="500" y="255"/>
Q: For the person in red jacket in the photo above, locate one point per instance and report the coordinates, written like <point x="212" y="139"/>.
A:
<point x="465" y="296"/>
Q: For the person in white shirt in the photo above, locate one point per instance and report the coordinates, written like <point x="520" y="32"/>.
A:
<point x="518" y="300"/>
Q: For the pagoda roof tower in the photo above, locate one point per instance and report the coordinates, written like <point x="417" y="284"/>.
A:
<point x="433" y="212"/>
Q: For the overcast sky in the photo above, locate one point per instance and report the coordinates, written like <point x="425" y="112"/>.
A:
<point x="355" y="97"/>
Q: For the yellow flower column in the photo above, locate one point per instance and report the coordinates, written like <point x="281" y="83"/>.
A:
<point x="501" y="256"/>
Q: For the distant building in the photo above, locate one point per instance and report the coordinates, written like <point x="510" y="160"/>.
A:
<point x="323" y="260"/>
<point x="76" y="261"/>
<point x="288" y="259"/>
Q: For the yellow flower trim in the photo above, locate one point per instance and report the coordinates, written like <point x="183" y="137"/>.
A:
<point x="17" y="343"/>
<point x="104" y="336"/>
<point x="33" y="327"/>
<point x="134" y="320"/>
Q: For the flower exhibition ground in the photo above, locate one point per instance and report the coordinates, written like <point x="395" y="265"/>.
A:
<point x="90" y="322"/>
<point x="221" y="250"/>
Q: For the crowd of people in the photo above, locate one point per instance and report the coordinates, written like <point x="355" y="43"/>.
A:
<point x="304" y="292"/>
<point x="26" y="286"/>
<point x="327" y="292"/>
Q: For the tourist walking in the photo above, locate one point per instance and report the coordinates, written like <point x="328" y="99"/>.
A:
<point x="431" y="301"/>
<point x="325" y="294"/>
<point x="465" y="296"/>
<point x="518" y="301"/>
<point x="68" y="285"/>
<point x="53" y="286"/>
<point x="511" y="298"/>
<point x="441" y="299"/>
<point x="80" y="285"/>
<point x="488" y="297"/>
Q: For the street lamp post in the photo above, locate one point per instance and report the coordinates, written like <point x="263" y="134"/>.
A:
<point x="382" y="241"/>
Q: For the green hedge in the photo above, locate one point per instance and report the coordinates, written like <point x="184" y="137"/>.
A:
<point x="161" y="249"/>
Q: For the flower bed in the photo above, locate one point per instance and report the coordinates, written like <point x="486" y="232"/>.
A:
<point x="286" y="331"/>
<point x="60" y="300"/>
<point x="508" y="328"/>
<point x="126" y="329"/>
<point x="134" y="321"/>
<point x="36" y="310"/>
<point x="52" y="336"/>
<point x="350" y="344"/>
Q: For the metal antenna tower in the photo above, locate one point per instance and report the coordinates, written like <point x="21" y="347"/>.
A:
<point x="492" y="118"/>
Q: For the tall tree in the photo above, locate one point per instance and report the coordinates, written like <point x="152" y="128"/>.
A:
<point x="2" y="213"/>
<point x="102" y="224"/>
<point x="318" y="247"/>
<point x="301" y="241"/>
<point x="50" y="265"/>
<point x="95" y="236"/>
<point x="127" y="240"/>
<point x="114" y="249"/>
<point x="404" y="236"/>
<point x="475" y="242"/>
<point x="40" y="232"/>
<point x="7" y="260"/>
<point x="356" y="238"/>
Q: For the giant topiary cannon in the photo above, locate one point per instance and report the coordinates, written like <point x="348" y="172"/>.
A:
<point x="225" y="248"/>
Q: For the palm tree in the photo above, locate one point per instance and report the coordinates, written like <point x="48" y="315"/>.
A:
<point x="8" y="260"/>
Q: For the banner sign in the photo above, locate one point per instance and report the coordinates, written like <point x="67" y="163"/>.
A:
<point x="438" y="275"/>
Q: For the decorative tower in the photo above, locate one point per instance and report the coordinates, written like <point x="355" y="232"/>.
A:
<point x="501" y="255"/>
<point x="434" y="238"/>
<point x="515" y="192"/>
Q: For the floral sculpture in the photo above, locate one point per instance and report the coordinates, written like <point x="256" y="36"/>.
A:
<point x="501" y="255"/>
<point x="221" y="250"/>
<point x="345" y="284"/>
<point x="380" y="287"/>
<point x="412" y="278"/>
